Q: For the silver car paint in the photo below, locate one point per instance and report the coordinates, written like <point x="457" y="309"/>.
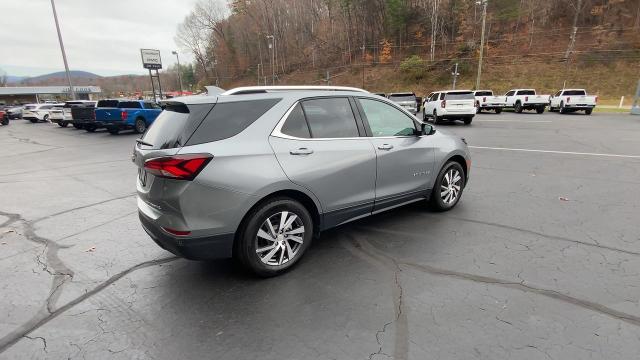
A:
<point x="248" y="167"/>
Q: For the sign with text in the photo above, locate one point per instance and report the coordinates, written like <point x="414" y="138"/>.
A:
<point x="151" y="59"/>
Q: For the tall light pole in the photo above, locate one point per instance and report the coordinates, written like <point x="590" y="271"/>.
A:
<point x="272" y="46"/>
<point x="484" y="20"/>
<point x="64" y="55"/>
<point x="179" y="70"/>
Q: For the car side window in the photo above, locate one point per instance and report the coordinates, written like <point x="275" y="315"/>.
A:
<point x="330" y="118"/>
<point x="442" y="96"/>
<point x="296" y="124"/>
<point x="386" y="120"/>
<point x="558" y="93"/>
<point x="510" y="93"/>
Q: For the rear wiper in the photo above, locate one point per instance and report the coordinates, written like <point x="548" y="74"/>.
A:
<point x="142" y="142"/>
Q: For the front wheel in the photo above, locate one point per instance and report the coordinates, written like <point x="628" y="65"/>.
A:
<point x="518" y="108"/>
<point x="141" y="126"/>
<point x="276" y="235"/>
<point x="46" y="118"/>
<point x="448" y="188"/>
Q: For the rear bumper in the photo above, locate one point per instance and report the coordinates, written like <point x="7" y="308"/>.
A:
<point x="117" y="124"/>
<point x="207" y="248"/>
<point x="579" y="107"/>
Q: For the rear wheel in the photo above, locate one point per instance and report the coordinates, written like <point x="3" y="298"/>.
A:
<point x="113" y="130"/>
<point x="467" y="120"/>
<point x="275" y="236"/>
<point x="448" y="188"/>
<point x="562" y="109"/>
<point x="588" y="111"/>
<point x="436" y="118"/>
<point x="77" y="126"/>
<point x="33" y="120"/>
<point x="498" y="110"/>
<point x="4" y="120"/>
<point x="90" y="128"/>
<point x="63" y="123"/>
<point x="540" y="109"/>
<point x="141" y="126"/>
<point x="518" y="107"/>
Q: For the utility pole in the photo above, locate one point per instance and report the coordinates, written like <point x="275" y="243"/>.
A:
<point x="272" y="46"/>
<point x="179" y="70"/>
<point x="64" y="55"/>
<point x="484" y="20"/>
<point x="455" y="74"/>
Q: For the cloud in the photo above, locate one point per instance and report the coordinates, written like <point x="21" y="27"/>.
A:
<point x="104" y="37"/>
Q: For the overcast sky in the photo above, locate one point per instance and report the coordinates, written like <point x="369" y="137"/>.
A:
<point x="100" y="36"/>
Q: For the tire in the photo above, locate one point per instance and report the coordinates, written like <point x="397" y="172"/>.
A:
<point x="518" y="107"/>
<point x="478" y="110"/>
<point x="4" y="120"/>
<point x="588" y="111"/>
<point x="33" y="120"/>
<point x="113" y="130"/>
<point x="562" y="109"/>
<point x="45" y="118"/>
<point x="540" y="109"/>
<point x="77" y="126"/>
<point x="440" y="202"/>
<point x="467" y="120"/>
<point x="90" y="128"/>
<point x="274" y="260"/>
<point x="436" y="118"/>
<point x="140" y="126"/>
<point x="424" y="116"/>
<point x="63" y="123"/>
<point x="498" y="110"/>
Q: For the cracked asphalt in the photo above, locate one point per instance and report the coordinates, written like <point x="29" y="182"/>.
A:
<point x="540" y="260"/>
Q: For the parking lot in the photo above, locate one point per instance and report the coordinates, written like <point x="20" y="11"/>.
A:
<point x="540" y="260"/>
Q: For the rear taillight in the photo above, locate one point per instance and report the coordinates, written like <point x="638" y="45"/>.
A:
<point x="123" y="115"/>
<point x="484" y="99"/>
<point x="443" y="104"/>
<point x="178" y="167"/>
<point x="568" y="100"/>
<point x="526" y="98"/>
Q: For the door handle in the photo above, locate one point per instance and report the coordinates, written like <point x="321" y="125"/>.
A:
<point x="385" y="147"/>
<point x="301" y="151"/>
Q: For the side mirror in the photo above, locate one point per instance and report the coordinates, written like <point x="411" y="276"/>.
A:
<point x="426" y="129"/>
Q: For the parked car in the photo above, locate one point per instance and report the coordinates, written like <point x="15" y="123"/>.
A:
<point x="449" y="105"/>
<point x="116" y="115"/>
<point x="485" y="100"/>
<point x="525" y="99"/>
<point x="61" y="114"/>
<point x="82" y="114"/>
<point x="4" y="117"/>
<point x="572" y="100"/>
<point x="380" y="94"/>
<point x="407" y="100"/>
<point x="14" y="112"/>
<point x="258" y="176"/>
<point x="37" y="112"/>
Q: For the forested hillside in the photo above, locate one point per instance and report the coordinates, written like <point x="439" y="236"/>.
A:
<point x="404" y="43"/>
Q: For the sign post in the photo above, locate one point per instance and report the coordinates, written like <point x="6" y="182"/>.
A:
<point x="635" y="108"/>
<point x="151" y="60"/>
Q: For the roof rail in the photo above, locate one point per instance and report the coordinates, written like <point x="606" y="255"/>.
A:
<point x="265" y="89"/>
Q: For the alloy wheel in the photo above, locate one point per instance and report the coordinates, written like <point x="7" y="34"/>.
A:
<point x="280" y="238"/>
<point x="450" y="186"/>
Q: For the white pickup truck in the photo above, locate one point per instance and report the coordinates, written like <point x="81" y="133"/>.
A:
<point x="570" y="100"/>
<point x="526" y="99"/>
<point x="486" y="101"/>
<point x="449" y="105"/>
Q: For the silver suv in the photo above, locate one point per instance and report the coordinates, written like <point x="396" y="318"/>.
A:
<point x="257" y="173"/>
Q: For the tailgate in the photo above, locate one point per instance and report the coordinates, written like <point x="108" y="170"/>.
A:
<point x="107" y="114"/>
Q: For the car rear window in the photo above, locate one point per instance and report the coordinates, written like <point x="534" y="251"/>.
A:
<point x="459" y="96"/>
<point x="402" y="97"/>
<point x="70" y="104"/>
<point x="575" y="92"/>
<point x="229" y="119"/>
<point x="526" y="92"/>
<point x="129" y="105"/>
<point x="29" y="107"/>
<point x="484" y="93"/>
<point x="107" y="103"/>
<point x="173" y="127"/>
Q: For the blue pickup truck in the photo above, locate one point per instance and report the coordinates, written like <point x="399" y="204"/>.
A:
<point x="116" y="115"/>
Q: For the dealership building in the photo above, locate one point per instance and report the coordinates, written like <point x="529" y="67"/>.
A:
<point x="36" y="94"/>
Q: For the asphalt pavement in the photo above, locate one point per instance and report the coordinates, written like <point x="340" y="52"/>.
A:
<point x="540" y="260"/>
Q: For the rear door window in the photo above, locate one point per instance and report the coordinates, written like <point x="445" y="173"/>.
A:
<point x="129" y="105"/>
<point x="296" y="124"/>
<point x="229" y="119"/>
<point x="330" y="118"/>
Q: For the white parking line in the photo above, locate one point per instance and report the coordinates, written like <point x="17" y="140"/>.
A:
<point x="556" y="152"/>
<point x="520" y="121"/>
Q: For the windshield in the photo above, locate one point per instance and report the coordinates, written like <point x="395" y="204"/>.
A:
<point x="467" y="95"/>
